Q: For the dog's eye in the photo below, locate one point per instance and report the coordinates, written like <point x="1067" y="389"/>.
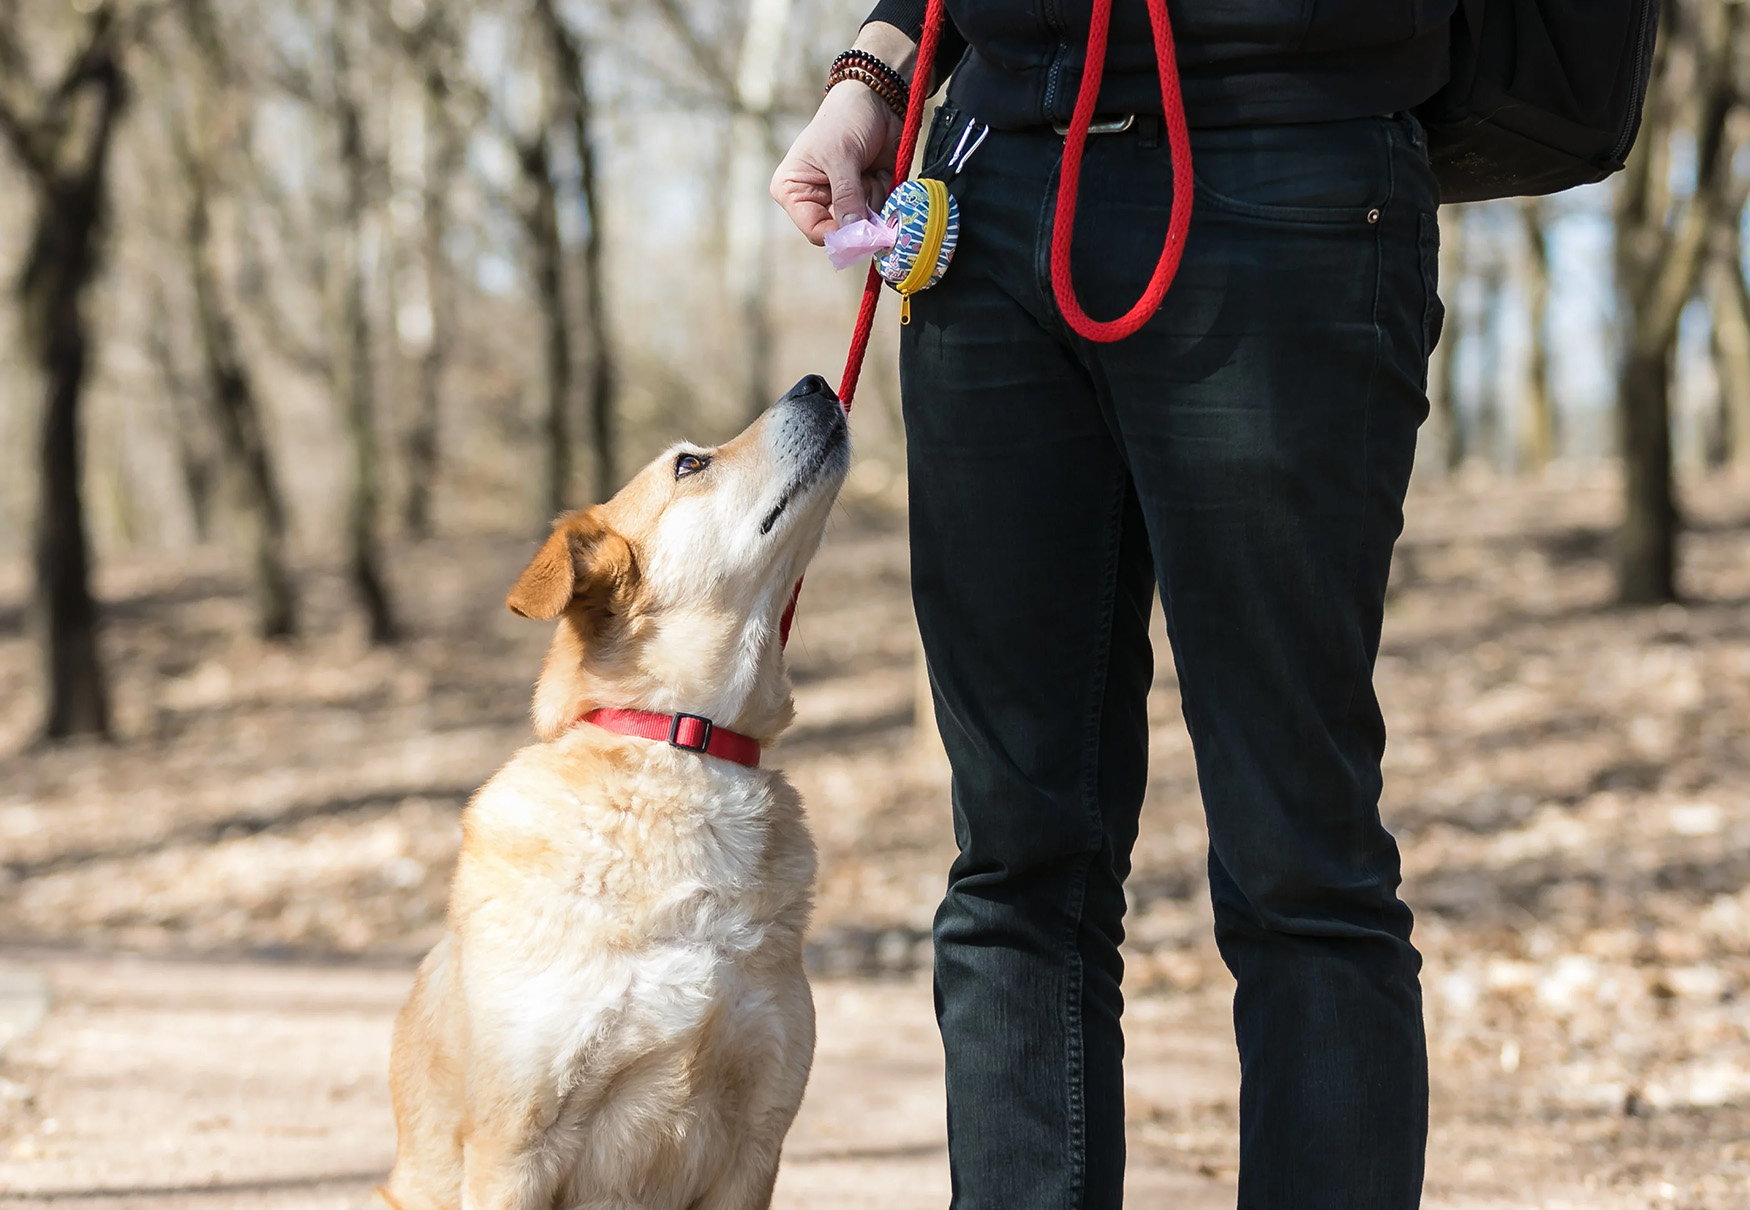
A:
<point x="690" y="464"/>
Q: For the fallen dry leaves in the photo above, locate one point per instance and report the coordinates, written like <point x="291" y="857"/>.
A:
<point x="1570" y="783"/>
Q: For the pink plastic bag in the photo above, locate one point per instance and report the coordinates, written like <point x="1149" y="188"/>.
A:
<point x="859" y="238"/>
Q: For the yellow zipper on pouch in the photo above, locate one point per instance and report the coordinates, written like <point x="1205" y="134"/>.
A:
<point x="935" y="227"/>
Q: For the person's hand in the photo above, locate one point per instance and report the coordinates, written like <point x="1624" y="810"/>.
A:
<point x="841" y="163"/>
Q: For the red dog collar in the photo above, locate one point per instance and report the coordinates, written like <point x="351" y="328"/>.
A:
<point x="688" y="732"/>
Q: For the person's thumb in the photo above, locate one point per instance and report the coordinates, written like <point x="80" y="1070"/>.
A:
<point x="848" y="202"/>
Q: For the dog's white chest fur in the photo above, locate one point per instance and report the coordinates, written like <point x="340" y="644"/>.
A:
<point x="649" y="893"/>
<point x="625" y="965"/>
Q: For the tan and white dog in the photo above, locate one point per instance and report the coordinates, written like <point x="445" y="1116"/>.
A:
<point x="617" y="1017"/>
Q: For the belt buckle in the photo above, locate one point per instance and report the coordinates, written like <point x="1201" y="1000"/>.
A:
<point x="1116" y="124"/>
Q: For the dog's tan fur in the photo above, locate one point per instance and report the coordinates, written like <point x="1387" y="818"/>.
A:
<point x="617" y="1017"/>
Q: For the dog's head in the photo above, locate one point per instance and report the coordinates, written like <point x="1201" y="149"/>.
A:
<point x="670" y="594"/>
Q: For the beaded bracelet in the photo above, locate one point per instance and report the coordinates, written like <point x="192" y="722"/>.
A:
<point x="866" y="69"/>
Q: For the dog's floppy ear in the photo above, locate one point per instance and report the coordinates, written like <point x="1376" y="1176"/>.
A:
<point x="544" y="589"/>
<point x="582" y="563"/>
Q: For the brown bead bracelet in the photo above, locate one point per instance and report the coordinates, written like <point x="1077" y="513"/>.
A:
<point x="866" y="69"/>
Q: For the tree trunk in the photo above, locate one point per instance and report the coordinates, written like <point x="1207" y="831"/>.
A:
<point x="747" y="256"/>
<point x="1729" y="307"/>
<point x="69" y="171"/>
<point x="1538" y="433"/>
<point x="759" y="335"/>
<point x="1646" y="556"/>
<point x="1443" y="366"/>
<point x="195" y="461"/>
<point x="442" y="161"/>
<point x="1661" y="243"/>
<point x="602" y="370"/>
<point x="573" y="84"/>
<point x="573" y="80"/>
<point x="237" y="415"/>
<point x="1492" y="419"/>
<point x="542" y="222"/>
<point x="752" y="148"/>
<point x="358" y="382"/>
<point x="78" y="693"/>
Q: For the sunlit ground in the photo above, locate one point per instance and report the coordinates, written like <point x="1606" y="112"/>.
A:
<point x="1570" y="782"/>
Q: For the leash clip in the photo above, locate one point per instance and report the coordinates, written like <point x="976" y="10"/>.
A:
<point x="674" y="732"/>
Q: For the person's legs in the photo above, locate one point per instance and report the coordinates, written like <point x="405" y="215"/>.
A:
<point x="1032" y="581"/>
<point x="1269" y="414"/>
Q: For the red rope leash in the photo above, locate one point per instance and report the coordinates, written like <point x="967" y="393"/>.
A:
<point x="1063" y="225"/>
<point x="934" y="15"/>
<point x="1178" y="142"/>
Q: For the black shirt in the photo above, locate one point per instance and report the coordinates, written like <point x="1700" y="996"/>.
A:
<point x="1018" y="63"/>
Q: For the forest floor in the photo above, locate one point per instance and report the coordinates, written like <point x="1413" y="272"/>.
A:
<point x="206" y="926"/>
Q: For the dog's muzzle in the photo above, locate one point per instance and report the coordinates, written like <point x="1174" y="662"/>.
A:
<point x="813" y="407"/>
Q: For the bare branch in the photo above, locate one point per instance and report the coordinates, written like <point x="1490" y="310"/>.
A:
<point x="722" y="80"/>
<point x="93" y="59"/>
<point x="23" y="138"/>
<point x="1676" y="270"/>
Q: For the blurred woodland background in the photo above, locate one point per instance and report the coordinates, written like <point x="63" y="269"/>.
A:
<point x="310" y="280"/>
<point x="315" y="311"/>
<point x="305" y="280"/>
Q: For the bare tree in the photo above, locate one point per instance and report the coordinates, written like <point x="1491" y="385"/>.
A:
<point x="1494" y="423"/>
<point x="430" y="45"/>
<point x="1660" y="243"/>
<point x="1729" y="309"/>
<point x="754" y="148"/>
<point x="1443" y="364"/>
<point x="566" y="106"/>
<point x="196" y="461"/>
<point x="541" y="222"/>
<point x="1538" y="432"/>
<point x="61" y="134"/>
<point x="570" y="72"/>
<point x="323" y="77"/>
<point x="209" y="122"/>
<point x="356" y="378"/>
<point x="747" y="92"/>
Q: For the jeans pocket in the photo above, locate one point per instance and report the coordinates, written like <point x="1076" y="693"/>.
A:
<point x="1324" y="174"/>
<point x="937" y="145"/>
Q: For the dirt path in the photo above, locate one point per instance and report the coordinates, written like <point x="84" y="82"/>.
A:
<point x="165" y="1084"/>
<point x="197" y="1085"/>
<point x="1570" y="783"/>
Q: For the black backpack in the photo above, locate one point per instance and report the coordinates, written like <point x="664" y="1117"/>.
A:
<point x="1544" y="95"/>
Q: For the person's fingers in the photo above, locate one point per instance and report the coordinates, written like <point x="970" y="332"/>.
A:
<point x="809" y="211"/>
<point x="878" y="184"/>
<point x="803" y="192"/>
<point x="814" y="221"/>
<point x="849" y="201"/>
<point x="826" y="180"/>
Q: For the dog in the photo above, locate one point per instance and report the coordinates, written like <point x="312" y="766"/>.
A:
<point x="617" y="1017"/>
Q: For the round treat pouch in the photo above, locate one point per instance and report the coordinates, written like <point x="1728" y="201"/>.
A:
<point x="927" y="223"/>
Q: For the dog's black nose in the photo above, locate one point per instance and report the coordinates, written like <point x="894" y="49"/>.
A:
<point x="814" y="384"/>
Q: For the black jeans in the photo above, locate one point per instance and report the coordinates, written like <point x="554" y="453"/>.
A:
<point x="1248" y="453"/>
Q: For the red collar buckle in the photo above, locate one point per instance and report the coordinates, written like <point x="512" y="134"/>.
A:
<point x="702" y="730"/>
<point x="688" y="732"/>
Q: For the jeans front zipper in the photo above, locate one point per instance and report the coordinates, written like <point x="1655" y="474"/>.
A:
<point x="1053" y="22"/>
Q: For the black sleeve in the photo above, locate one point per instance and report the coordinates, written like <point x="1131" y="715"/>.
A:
<point x="908" y="15"/>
